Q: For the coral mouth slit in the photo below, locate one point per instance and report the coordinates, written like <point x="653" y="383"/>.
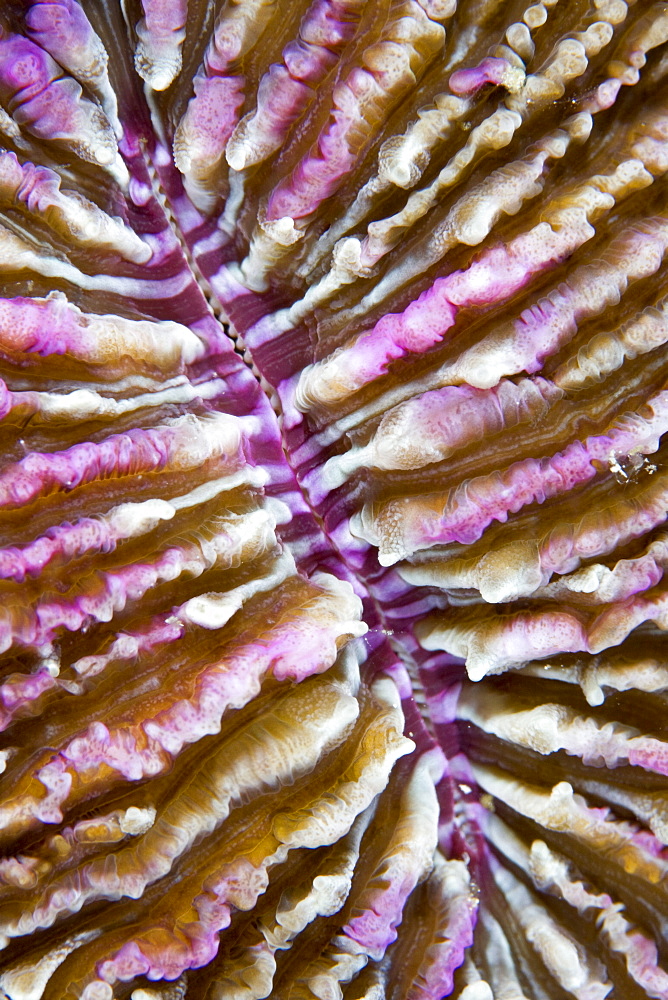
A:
<point x="333" y="500"/>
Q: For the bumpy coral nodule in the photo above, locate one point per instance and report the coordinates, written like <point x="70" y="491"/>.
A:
<point x="333" y="500"/>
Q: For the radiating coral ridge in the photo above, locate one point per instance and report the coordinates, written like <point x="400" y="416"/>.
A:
<point x="333" y="500"/>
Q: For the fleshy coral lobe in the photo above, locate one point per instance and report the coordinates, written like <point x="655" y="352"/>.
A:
<point x="332" y="500"/>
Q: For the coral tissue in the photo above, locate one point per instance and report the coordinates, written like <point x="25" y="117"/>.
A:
<point x="333" y="502"/>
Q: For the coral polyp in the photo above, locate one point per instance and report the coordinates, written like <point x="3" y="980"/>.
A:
<point x="333" y="390"/>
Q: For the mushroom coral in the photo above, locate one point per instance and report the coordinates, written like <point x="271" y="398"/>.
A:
<point x="333" y="500"/>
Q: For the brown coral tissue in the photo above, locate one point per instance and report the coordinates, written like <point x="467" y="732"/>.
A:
<point x="333" y="501"/>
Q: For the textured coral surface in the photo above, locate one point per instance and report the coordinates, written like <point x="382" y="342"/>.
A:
<point x="333" y="500"/>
